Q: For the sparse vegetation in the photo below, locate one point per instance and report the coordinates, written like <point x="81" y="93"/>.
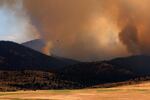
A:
<point x="40" y="80"/>
<point x="32" y="80"/>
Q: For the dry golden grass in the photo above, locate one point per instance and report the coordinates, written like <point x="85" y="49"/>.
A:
<point x="132" y="92"/>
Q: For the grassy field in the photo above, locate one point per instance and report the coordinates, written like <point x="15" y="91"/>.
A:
<point x="132" y="92"/>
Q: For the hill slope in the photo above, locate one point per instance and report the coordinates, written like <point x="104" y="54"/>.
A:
<point x="14" y="56"/>
<point x="17" y="60"/>
<point x="94" y="73"/>
<point x="139" y="64"/>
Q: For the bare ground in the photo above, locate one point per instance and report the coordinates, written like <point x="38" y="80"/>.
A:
<point x="131" y="92"/>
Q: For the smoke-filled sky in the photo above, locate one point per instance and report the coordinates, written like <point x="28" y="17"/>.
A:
<point x="79" y="29"/>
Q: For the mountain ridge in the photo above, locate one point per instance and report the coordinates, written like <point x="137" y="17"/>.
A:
<point x="15" y="55"/>
<point x="24" y="68"/>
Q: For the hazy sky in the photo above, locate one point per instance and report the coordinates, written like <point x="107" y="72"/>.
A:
<point x="14" y="23"/>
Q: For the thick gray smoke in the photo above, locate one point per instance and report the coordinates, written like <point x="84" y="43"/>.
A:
<point x="129" y="37"/>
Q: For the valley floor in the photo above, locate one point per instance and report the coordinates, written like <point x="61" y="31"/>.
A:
<point x="132" y="92"/>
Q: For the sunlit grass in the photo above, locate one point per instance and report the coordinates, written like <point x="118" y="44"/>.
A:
<point x="59" y="91"/>
<point x="108" y="90"/>
<point x="116" y="93"/>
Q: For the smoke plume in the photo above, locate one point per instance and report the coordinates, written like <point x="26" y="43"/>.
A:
<point x="91" y="29"/>
<point x="76" y="29"/>
<point x="129" y="37"/>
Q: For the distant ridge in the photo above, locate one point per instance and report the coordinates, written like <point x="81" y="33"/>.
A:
<point x="36" y="44"/>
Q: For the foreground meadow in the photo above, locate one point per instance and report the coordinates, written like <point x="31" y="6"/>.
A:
<point x="132" y="92"/>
